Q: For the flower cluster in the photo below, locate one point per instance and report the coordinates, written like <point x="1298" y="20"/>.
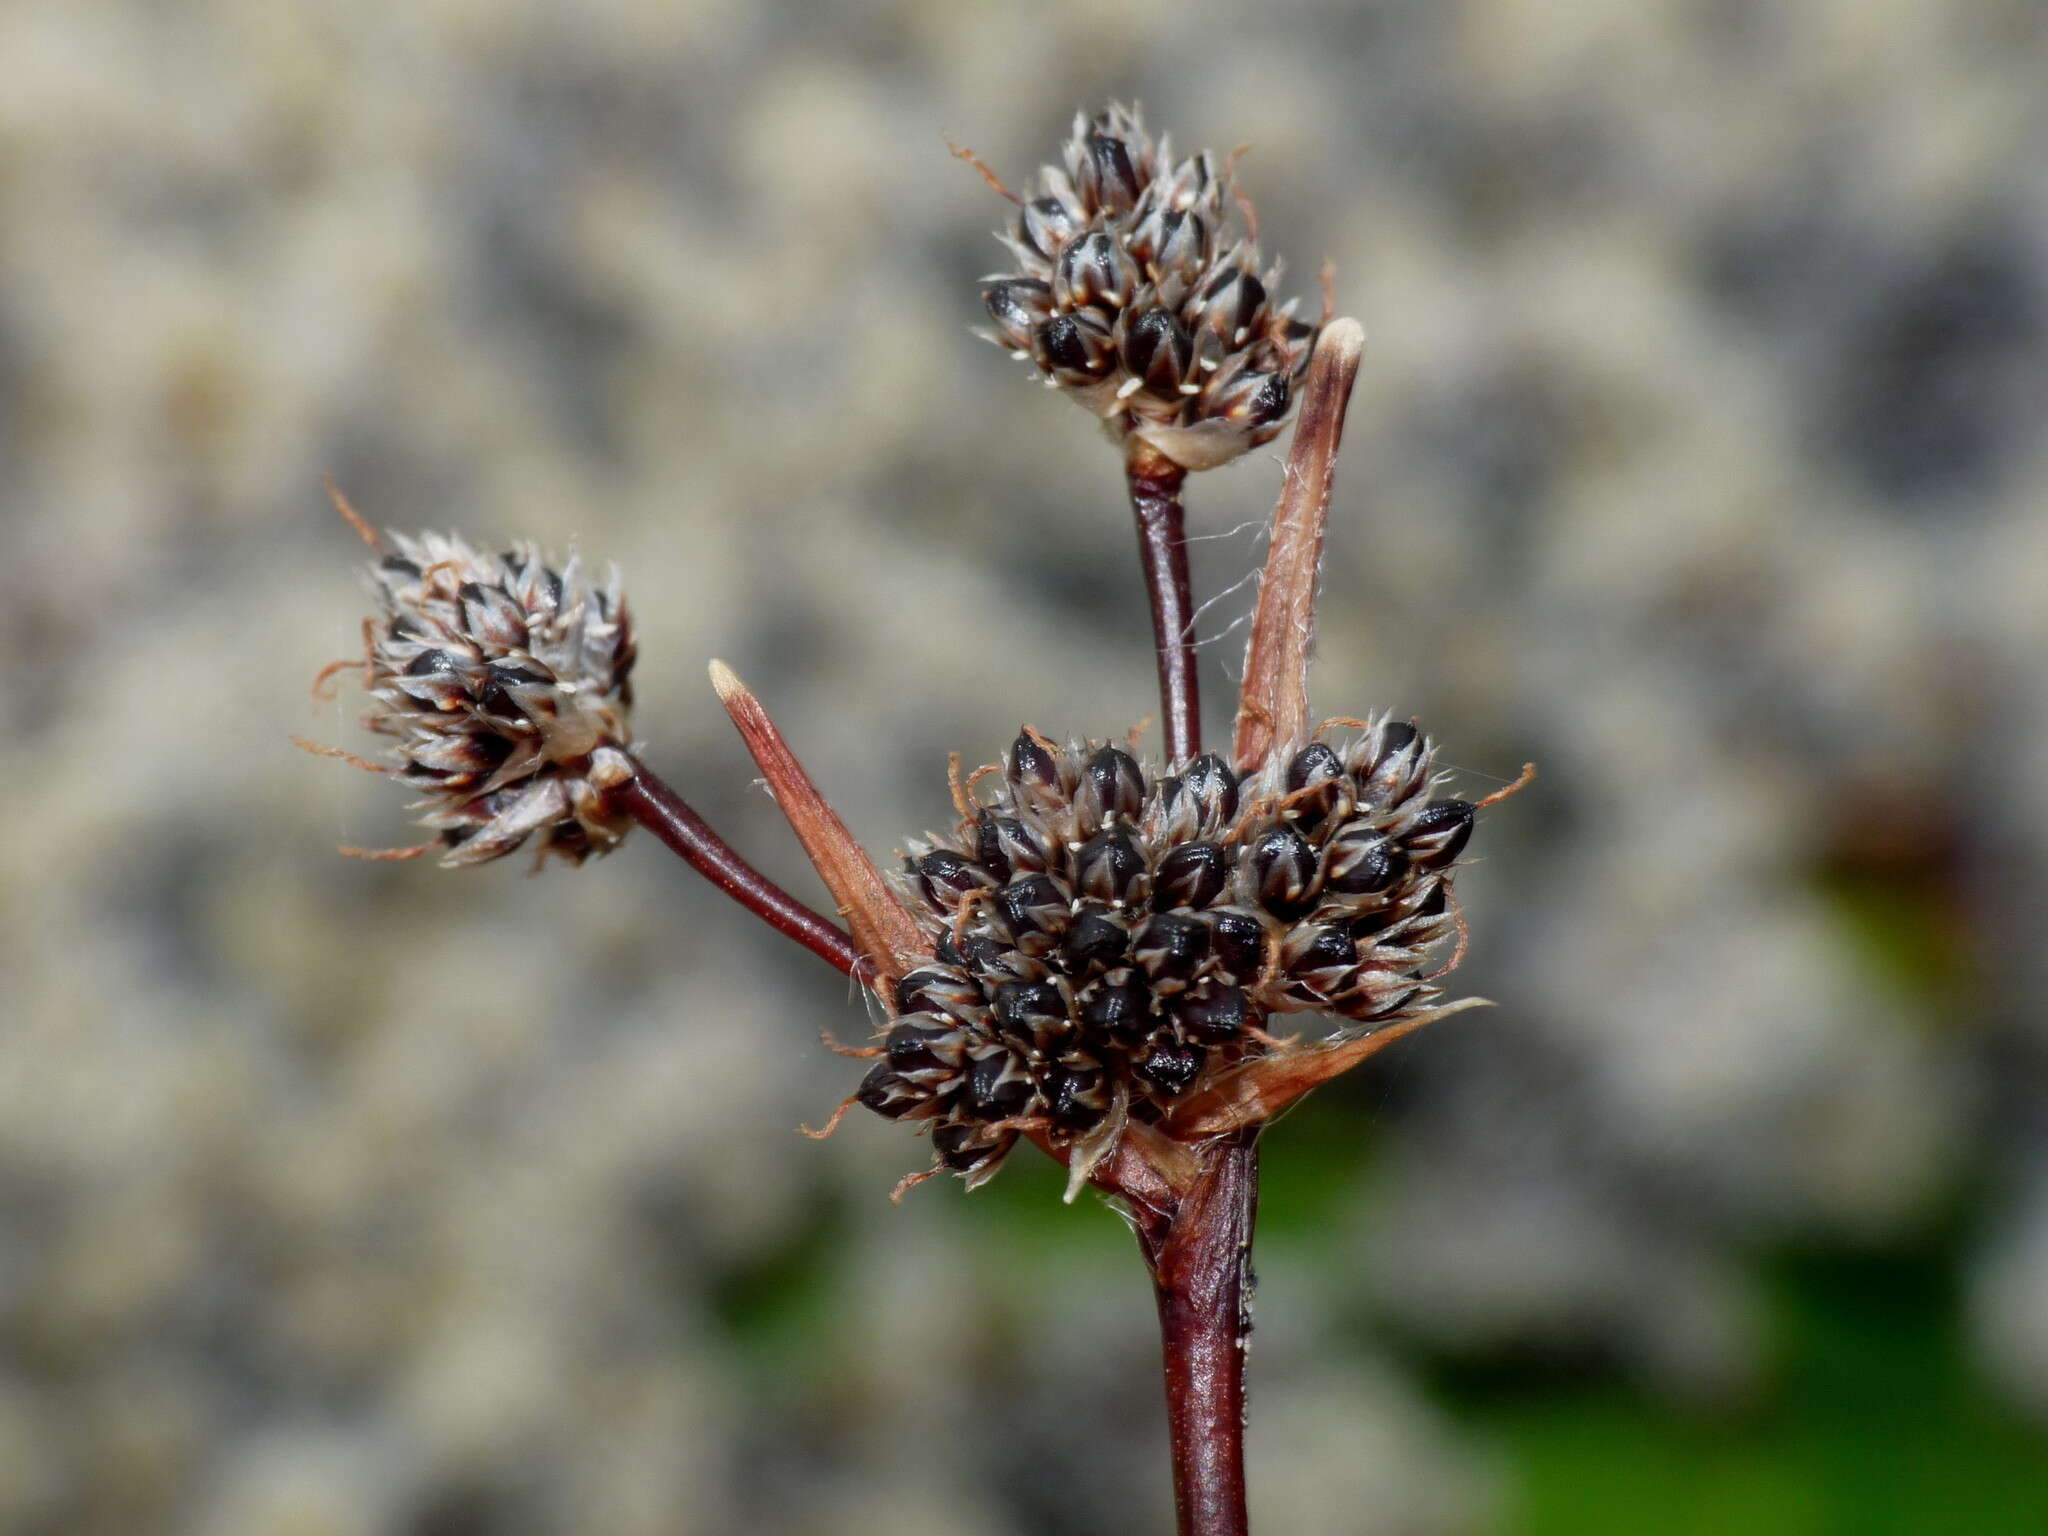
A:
<point x="505" y="682"/>
<point x="1106" y="940"/>
<point x="1135" y="293"/>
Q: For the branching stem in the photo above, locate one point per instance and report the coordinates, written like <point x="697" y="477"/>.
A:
<point x="1200" y="1255"/>
<point x="1155" y="486"/>
<point x="663" y="812"/>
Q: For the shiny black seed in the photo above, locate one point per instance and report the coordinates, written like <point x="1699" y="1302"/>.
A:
<point x="398" y="565"/>
<point x="1062" y="345"/>
<point x="1157" y="350"/>
<point x="1391" y="760"/>
<point x="1012" y="842"/>
<point x="429" y="661"/>
<point x="988" y="847"/>
<point x="1434" y="903"/>
<point x="1214" y="787"/>
<point x="1239" y="942"/>
<point x="1170" y="946"/>
<point x="1096" y="941"/>
<point x="947" y="877"/>
<point x="1395" y="736"/>
<point x="1095" y="270"/>
<point x="1031" y="764"/>
<point x="965" y="1148"/>
<point x="1171" y="1068"/>
<point x="1314" y="778"/>
<point x="1212" y="1015"/>
<point x="889" y="1093"/>
<point x="1363" y="865"/>
<point x="1193" y="875"/>
<point x="1106" y="866"/>
<point x="1046" y="224"/>
<point x="1075" y="1096"/>
<point x="1117" y="787"/>
<point x="930" y="990"/>
<point x="1283" y="868"/>
<point x="502" y="677"/>
<point x="1018" y="304"/>
<point x="1312" y="765"/>
<point x="1370" y="923"/>
<point x="1331" y="948"/>
<point x="922" y="1047"/>
<point x="1024" y="1008"/>
<point x="1439" y="833"/>
<point x="998" y="1088"/>
<point x="1034" y="904"/>
<point x="1115" y="177"/>
<point x="1270" y="403"/>
<point x="1119" y="1009"/>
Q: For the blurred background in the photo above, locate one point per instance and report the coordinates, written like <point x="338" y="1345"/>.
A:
<point x="1698" y="457"/>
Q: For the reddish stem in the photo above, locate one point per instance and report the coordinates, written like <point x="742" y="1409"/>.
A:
<point x="1155" y="485"/>
<point x="663" y="812"/>
<point x="1201" y="1261"/>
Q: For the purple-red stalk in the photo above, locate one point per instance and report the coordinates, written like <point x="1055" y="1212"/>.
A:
<point x="1155" y="485"/>
<point x="663" y="812"/>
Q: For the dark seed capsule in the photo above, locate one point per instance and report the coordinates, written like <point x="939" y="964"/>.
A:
<point x="1016" y="305"/>
<point x="429" y="661"/>
<point x="889" y="1093"/>
<point x="1170" y="947"/>
<point x="1321" y="954"/>
<point x="1193" y="875"/>
<point x="1157" y="350"/>
<point x="971" y="1148"/>
<point x="1214" y="788"/>
<point x="1030" y="765"/>
<point x="1283" y="869"/>
<point x="1077" y="346"/>
<point x="1389" y="775"/>
<point x="1439" y="833"/>
<point x="1107" y="865"/>
<point x="1047" y="223"/>
<point x="1267" y="403"/>
<point x="925" y="1048"/>
<point x="947" y="878"/>
<point x="1230" y="304"/>
<point x="1107" y="175"/>
<point x="1211" y="1015"/>
<point x="1172" y="1068"/>
<point x="1009" y="846"/>
<point x="1361" y="862"/>
<point x="398" y="565"/>
<point x="1076" y="1096"/>
<point x="1096" y="941"/>
<point x="1314" y="781"/>
<point x="1034" y="907"/>
<point x="1239" y="942"/>
<point x="1094" y="270"/>
<point x="1434" y="901"/>
<point x="1026" y="1009"/>
<point x="500" y="678"/>
<point x="1121" y="1009"/>
<point x="998" y="1087"/>
<point x="1111" y="789"/>
<point x="929" y="989"/>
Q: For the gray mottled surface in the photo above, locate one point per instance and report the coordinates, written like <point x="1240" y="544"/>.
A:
<point x="1698" y="457"/>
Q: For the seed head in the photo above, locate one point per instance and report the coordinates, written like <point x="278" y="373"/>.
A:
<point x="1136" y="292"/>
<point x="504" y="682"/>
<point x="1107" y="939"/>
